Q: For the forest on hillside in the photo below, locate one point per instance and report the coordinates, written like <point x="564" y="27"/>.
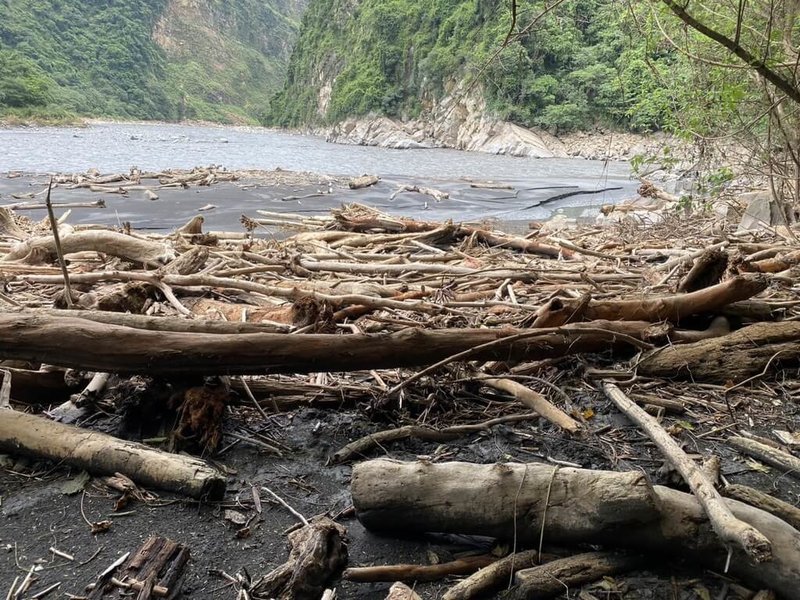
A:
<point x="575" y="65"/>
<point x="146" y="59"/>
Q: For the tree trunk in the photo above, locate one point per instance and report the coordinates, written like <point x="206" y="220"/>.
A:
<point x="103" y="454"/>
<point x="734" y="357"/>
<point x="83" y="344"/>
<point x="582" y="506"/>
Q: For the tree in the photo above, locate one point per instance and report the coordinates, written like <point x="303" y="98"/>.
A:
<point x="22" y="82"/>
<point x="760" y="38"/>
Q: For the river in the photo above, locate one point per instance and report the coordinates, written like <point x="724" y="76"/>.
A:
<point x="115" y="147"/>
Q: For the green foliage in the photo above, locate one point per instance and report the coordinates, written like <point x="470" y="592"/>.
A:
<point x="145" y="59"/>
<point x="22" y="82"/>
<point x="97" y="54"/>
<point x="580" y="66"/>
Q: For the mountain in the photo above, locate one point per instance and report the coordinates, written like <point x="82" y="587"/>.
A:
<point x="578" y="66"/>
<point x="146" y="59"/>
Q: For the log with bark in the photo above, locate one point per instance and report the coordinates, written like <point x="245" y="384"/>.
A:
<point x="103" y="454"/>
<point x="564" y="505"/>
<point x="89" y="345"/>
<point x="735" y="357"/>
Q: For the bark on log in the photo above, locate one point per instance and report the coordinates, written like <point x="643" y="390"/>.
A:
<point x="107" y="242"/>
<point x="105" y="455"/>
<point x="753" y="497"/>
<point x="618" y="509"/>
<point x="733" y="357"/>
<point x="155" y="570"/>
<point x="83" y="344"/>
<point x="556" y="577"/>
<point x="730" y="529"/>
<point x="708" y="270"/>
<point x="670" y="308"/>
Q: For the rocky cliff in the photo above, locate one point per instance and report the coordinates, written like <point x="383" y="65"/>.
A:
<point x="402" y="73"/>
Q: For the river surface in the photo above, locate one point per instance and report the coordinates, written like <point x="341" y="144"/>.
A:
<point x="115" y="147"/>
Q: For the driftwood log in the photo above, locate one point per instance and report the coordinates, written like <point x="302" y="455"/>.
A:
<point x="578" y="506"/>
<point x="783" y="461"/>
<point x="460" y="566"/>
<point x="708" y="270"/>
<point x="733" y="357"/>
<point x="43" y="249"/>
<point x="88" y="345"/>
<point x="670" y="308"/>
<point x="554" y="578"/>
<point x="102" y="454"/>
<point x="753" y="497"/>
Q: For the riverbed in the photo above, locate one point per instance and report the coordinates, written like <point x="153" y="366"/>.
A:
<point x="576" y="184"/>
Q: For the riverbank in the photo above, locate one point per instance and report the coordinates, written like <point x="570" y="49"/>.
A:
<point x="418" y="339"/>
<point x="486" y="136"/>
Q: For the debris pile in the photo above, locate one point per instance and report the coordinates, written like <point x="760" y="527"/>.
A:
<point x="677" y="342"/>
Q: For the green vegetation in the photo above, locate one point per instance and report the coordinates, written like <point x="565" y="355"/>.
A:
<point x="143" y="59"/>
<point x="581" y="65"/>
<point x="96" y="58"/>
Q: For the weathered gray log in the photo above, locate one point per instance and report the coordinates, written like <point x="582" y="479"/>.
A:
<point x="364" y="181"/>
<point x="664" y="308"/>
<point x="733" y="357"/>
<point x="492" y="578"/>
<point x="102" y="454"/>
<point x="598" y="507"/>
<point x="78" y="343"/>
<point x="753" y="497"/>
<point x="785" y="462"/>
<point x="174" y="324"/>
<point x="107" y="242"/>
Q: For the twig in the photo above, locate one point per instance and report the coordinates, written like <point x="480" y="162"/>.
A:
<point x="57" y="239"/>
<point x="283" y="503"/>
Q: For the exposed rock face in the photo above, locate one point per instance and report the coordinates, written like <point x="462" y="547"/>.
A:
<point x="458" y="121"/>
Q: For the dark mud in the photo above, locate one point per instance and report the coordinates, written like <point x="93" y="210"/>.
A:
<point x="310" y="194"/>
<point x="36" y="513"/>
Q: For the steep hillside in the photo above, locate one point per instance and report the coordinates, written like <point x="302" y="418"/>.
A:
<point x="226" y="59"/>
<point x="578" y="66"/>
<point x="145" y="59"/>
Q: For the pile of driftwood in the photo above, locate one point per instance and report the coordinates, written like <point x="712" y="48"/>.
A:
<point x="416" y="316"/>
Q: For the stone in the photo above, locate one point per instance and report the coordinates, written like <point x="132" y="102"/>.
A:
<point x="762" y="212"/>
